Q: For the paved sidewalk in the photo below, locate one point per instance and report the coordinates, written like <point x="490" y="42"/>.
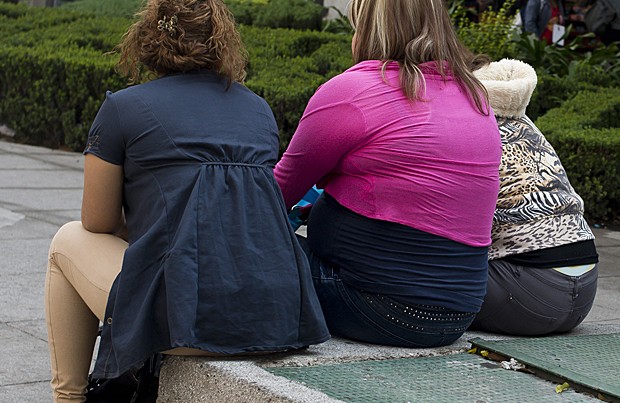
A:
<point x="41" y="189"/>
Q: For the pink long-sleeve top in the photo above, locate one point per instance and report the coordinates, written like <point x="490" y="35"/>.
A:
<point x="431" y="164"/>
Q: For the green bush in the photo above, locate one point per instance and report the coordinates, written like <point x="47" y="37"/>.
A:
<point x="110" y="8"/>
<point x="491" y="34"/>
<point x="586" y="136"/>
<point x="53" y="102"/>
<point x="286" y="67"/>
<point x="552" y="90"/>
<point x="295" y="14"/>
<point x="54" y="71"/>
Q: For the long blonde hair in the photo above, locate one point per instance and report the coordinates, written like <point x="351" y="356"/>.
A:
<point x="412" y="32"/>
<point x="177" y="36"/>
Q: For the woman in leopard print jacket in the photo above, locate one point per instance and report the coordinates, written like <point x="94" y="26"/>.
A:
<point x="543" y="262"/>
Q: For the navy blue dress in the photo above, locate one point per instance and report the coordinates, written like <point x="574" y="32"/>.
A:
<point x="212" y="261"/>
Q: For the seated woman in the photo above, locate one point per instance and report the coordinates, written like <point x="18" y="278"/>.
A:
<point x="407" y="152"/>
<point x="543" y="262"/>
<point x="211" y="263"/>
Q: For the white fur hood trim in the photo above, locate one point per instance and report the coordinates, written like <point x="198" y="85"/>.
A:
<point x="510" y="84"/>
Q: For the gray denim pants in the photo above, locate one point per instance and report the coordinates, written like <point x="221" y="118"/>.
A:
<point x="528" y="301"/>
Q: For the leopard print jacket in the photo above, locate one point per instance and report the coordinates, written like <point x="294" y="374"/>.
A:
<point x="537" y="207"/>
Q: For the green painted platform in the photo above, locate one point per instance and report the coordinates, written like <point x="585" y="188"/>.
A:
<point x="592" y="361"/>
<point x="452" y="378"/>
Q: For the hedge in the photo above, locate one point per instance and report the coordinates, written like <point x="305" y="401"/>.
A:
<point x="286" y="67"/>
<point x="585" y="132"/>
<point x="111" y="8"/>
<point x="54" y="71"/>
<point x="552" y="90"/>
<point x="53" y="74"/>
<point x="295" y="14"/>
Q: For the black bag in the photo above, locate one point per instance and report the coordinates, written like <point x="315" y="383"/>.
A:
<point x="134" y="386"/>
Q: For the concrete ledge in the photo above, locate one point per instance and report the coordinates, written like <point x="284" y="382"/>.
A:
<point x="244" y="379"/>
<point x="198" y="379"/>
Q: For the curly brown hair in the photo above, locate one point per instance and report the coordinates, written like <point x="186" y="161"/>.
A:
<point x="177" y="36"/>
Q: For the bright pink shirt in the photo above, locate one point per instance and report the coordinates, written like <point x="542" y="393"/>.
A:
<point x="432" y="165"/>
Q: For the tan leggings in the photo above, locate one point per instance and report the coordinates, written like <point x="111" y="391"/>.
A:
<point x="81" y="269"/>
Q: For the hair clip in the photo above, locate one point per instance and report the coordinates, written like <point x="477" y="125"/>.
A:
<point x="169" y="25"/>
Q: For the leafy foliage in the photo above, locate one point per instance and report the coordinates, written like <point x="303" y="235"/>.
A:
<point x="55" y="69"/>
<point x="295" y="14"/>
<point x="586" y="136"/>
<point x="109" y="8"/>
<point x="338" y="25"/>
<point x="53" y="72"/>
<point x="491" y="33"/>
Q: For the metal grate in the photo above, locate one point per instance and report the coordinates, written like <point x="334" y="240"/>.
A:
<point x="453" y="378"/>
<point x="589" y="360"/>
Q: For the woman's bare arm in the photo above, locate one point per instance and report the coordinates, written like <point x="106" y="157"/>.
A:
<point x="102" y="201"/>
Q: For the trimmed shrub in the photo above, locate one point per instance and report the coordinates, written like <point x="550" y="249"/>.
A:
<point x="110" y="8"/>
<point x="295" y="14"/>
<point x="286" y="67"/>
<point x="553" y="90"/>
<point x="54" y="101"/>
<point x="54" y="71"/>
<point x="53" y="74"/>
<point x="586" y="135"/>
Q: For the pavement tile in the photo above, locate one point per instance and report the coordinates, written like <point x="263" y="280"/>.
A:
<point x="605" y="308"/>
<point x="32" y="259"/>
<point x="41" y="179"/>
<point x="41" y="199"/>
<point x="610" y="284"/>
<point x="21" y="296"/>
<point x="25" y="359"/>
<point x="31" y="228"/>
<point x="15" y="161"/>
<point x="17" y="148"/>
<point x="606" y="237"/>
<point x="34" y="392"/>
<point x="612" y="251"/>
<point x="57" y="218"/>
<point x="603" y="315"/>
<point x="39" y="157"/>
<point x="35" y="328"/>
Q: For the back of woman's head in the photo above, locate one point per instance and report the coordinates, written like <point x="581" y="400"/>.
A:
<point x="412" y="32"/>
<point x="177" y="36"/>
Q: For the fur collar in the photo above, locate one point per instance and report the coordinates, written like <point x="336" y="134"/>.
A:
<point x="510" y="84"/>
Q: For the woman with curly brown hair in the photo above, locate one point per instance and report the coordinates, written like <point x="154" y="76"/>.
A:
<point x="184" y="246"/>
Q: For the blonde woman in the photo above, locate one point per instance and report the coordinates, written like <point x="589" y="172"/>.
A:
<point x="185" y="163"/>
<point x="407" y="151"/>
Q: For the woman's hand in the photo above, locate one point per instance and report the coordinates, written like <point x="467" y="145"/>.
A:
<point x="102" y="200"/>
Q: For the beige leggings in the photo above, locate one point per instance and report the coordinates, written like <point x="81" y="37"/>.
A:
<point x="81" y="269"/>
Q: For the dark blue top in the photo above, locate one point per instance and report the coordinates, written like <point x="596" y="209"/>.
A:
<point x="402" y="262"/>
<point x="212" y="261"/>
